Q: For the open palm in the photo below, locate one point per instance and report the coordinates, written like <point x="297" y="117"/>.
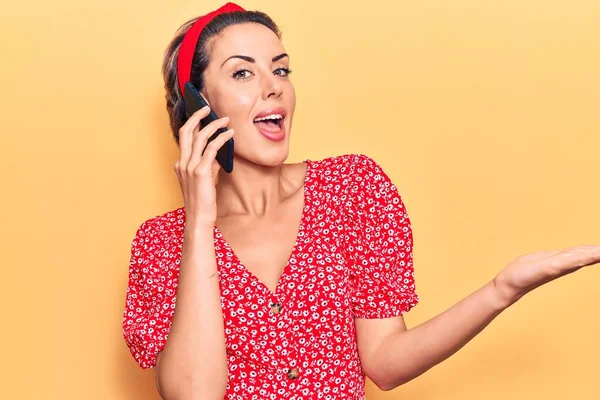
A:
<point x="532" y="270"/>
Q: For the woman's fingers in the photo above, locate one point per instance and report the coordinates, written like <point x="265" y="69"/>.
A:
<point x="530" y="271"/>
<point x="573" y="258"/>
<point x="210" y="154"/>
<point x="186" y="133"/>
<point x="199" y="191"/>
<point x="199" y="141"/>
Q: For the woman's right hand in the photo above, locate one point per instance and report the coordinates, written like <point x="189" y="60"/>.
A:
<point x="197" y="172"/>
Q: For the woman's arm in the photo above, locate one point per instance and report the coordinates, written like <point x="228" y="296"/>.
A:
<point x="193" y="363"/>
<point x="392" y="355"/>
<point x="405" y="354"/>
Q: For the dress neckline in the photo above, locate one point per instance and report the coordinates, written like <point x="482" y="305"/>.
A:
<point x="292" y="258"/>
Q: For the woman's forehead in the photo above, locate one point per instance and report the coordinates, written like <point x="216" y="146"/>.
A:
<point x="249" y="39"/>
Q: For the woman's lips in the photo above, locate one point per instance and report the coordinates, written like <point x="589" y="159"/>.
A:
<point x="271" y="128"/>
<point x="271" y="131"/>
<point x="279" y="110"/>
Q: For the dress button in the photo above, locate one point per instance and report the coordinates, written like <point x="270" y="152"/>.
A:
<point x="275" y="308"/>
<point x="293" y="373"/>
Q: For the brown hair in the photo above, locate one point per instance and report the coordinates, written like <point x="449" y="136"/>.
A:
<point x="173" y="95"/>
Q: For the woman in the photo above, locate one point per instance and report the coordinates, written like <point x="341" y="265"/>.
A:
<point x="288" y="280"/>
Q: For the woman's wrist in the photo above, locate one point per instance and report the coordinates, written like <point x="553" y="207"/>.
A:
<point x="197" y="226"/>
<point x="195" y="233"/>
<point x="502" y="295"/>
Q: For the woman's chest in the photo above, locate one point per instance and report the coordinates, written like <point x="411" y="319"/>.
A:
<point x="312" y="294"/>
<point x="311" y="307"/>
<point x="262" y="247"/>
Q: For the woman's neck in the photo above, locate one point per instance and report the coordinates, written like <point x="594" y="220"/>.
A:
<point x="254" y="190"/>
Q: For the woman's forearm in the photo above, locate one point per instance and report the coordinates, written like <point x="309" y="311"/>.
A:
<point x="405" y="355"/>
<point x="193" y="363"/>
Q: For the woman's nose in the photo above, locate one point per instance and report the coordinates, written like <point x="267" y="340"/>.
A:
<point x="272" y="87"/>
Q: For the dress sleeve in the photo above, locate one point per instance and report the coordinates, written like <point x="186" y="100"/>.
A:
<point x="147" y="313"/>
<point x="379" y="244"/>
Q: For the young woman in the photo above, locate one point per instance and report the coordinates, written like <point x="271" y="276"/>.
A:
<point x="284" y="281"/>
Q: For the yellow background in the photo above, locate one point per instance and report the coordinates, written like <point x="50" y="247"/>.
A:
<point x="486" y="115"/>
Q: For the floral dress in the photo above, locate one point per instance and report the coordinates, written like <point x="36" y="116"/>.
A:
<point x="352" y="259"/>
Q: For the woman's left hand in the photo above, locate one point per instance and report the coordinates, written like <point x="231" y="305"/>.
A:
<point x="532" y="270"/>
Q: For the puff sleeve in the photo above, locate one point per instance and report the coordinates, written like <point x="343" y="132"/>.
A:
<point x="148" y="311"/>
<point x="379" y="244"/>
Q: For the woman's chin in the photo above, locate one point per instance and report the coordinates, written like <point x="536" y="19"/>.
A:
<point x="270" y="157"/>
<point x="261" y="150"/>
<point x="274" y="158"/>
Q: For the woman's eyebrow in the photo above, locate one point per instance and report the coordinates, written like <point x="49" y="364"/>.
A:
<point x="279" y="57"/>
<point x="252" y="60"/>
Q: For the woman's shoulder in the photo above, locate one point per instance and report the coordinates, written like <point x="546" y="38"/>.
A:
<point x="347" y="169"/>
<point x="339" y="180"/>
<point x="342" y="159"/>
<point x="164" y="227"/>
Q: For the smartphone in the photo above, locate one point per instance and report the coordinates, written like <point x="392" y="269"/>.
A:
<point x="193" y="102"/>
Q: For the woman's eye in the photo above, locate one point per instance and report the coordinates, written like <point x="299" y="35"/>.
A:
<point x="283" y="71"/>
<point x="243" y="74"/>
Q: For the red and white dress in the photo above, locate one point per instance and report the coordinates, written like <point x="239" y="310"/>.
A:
<point x="352" y="259"/>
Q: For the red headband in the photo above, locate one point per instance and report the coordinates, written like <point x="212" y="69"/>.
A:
<point x="190" y="40"/>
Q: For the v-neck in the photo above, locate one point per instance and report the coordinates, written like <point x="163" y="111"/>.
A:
<point x="292" y="258"/>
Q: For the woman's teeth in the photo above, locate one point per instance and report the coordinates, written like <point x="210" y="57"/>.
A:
<point x="275" y="117"/>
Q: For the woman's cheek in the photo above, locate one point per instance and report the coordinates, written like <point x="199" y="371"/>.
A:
<point x="241" y="110"/>
<point x="245" y="101"/>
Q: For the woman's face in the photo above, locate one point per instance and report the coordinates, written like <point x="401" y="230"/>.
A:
<point x="246" y="80"/>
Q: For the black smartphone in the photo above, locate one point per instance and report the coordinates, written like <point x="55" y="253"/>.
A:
<point x="193" y="102"/>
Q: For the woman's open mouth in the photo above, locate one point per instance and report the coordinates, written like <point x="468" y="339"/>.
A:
<point x="270" y="124"/>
